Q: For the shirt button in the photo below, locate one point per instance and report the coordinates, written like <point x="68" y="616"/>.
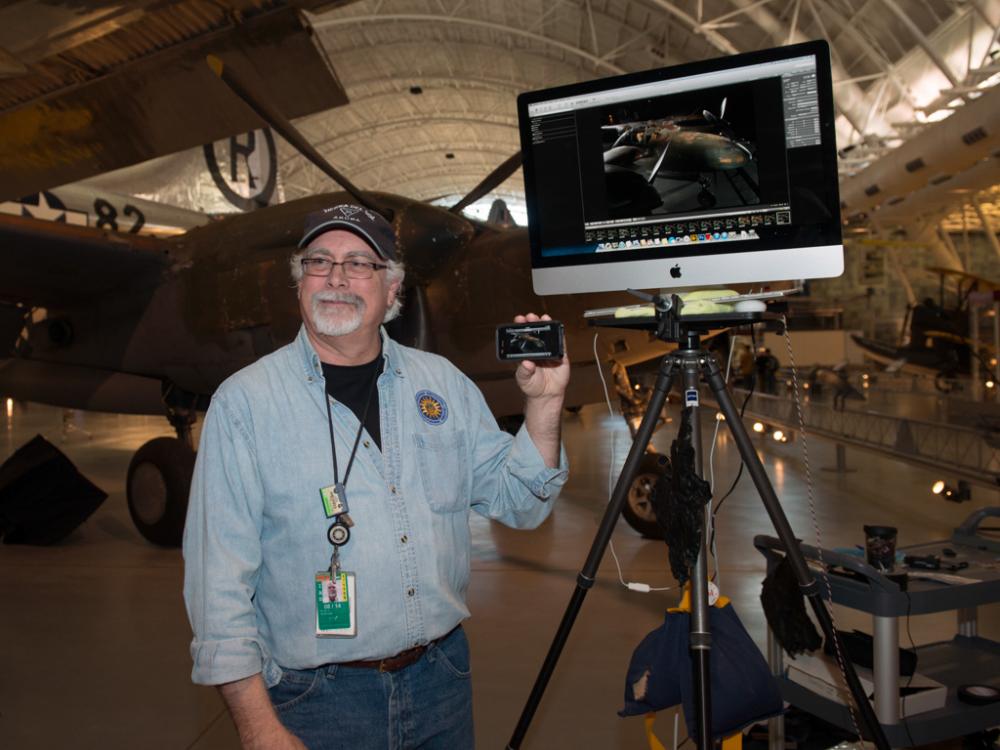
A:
<point x="368" y="444"/>
<point x="392" y="489"/>
<point x="404" y="539"/>
<point x="410" y="592"/>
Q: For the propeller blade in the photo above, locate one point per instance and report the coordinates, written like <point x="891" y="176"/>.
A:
<point x="492" y="180"/>
<point x="659" y="163"/>
<point x="279" y="123"/>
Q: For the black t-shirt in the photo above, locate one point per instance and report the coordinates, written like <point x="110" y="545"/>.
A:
<point x="350" y="385"/>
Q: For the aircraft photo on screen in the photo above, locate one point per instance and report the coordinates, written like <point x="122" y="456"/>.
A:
<point x="680" y="153"/>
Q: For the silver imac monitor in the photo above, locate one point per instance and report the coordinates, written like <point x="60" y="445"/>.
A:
<point x="722" y="171"/>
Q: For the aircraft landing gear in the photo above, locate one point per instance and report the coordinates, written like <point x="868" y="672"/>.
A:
<point x="159" y="480"/>
<point x="638" y="509"/>
<point x="705" y="198"/>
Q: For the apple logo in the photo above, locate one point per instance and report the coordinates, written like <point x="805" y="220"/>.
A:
<point x="675" y="272"/>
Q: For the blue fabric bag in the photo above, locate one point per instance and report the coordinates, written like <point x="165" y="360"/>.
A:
<point x="660" y="674"/>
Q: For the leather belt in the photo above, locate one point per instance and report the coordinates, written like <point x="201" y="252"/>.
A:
<point x="400" y="661"/>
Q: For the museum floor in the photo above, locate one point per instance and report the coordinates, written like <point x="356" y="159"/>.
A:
<point x="95" y="640"/>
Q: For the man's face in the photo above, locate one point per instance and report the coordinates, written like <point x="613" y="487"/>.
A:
<point x="336" y="305"/>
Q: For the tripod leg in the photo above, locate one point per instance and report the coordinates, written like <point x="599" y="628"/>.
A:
<point x="700" y="636"/>
<point x="585" y="579"/>
<point x="807" y="583"/>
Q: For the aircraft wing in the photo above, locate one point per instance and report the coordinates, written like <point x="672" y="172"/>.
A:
<point x="44" y="263"/>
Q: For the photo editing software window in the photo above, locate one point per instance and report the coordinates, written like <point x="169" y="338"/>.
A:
<point x="727" y="156"/>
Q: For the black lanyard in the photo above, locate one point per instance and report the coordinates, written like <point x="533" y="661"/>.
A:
<point x="357" y="438"/>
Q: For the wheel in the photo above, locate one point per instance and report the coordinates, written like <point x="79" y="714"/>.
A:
<point x="638" y="510"/>
<point x="159" y="479"/>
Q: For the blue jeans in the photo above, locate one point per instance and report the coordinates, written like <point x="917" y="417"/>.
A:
<point x="427" y="705"/>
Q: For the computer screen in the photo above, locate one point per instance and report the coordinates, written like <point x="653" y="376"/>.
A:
<point x="721" y="171"/>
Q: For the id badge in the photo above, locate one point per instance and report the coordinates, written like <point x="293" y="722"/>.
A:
<point x="334" y="499"/>
<point x="336" y="607"/>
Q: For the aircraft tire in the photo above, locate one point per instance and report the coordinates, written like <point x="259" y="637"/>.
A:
<point x="159" y="479"/>
<point x="638" y="509"/>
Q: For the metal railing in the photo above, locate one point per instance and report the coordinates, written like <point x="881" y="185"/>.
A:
<point x="963" y="452"/>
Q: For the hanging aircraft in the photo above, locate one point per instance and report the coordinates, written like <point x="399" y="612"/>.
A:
<point x="127" y="323"/>
<point x="936" y="335"/>
<point x="650" y="162"/>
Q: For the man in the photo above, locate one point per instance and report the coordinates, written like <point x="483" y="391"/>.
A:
<point x="327" y="538"/>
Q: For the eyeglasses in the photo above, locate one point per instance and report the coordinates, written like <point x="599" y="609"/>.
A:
<point x="353" y="269"/>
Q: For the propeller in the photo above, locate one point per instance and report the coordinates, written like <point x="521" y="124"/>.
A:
<point x="278" y="122"/>
<point x="711" y="117"/>
<point x="492" y="180"/>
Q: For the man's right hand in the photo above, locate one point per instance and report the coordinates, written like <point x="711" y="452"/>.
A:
<point x="277" y="739"/>
<point x="256" y="721"/>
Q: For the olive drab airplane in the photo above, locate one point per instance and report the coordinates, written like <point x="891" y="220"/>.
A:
<point x="680" y="156"/>
<point x="118" y="322"/>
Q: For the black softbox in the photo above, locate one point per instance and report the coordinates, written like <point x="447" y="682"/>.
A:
<point x="42" y="495"/>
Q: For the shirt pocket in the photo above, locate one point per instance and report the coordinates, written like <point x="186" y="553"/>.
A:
<point x="442" y="459"/>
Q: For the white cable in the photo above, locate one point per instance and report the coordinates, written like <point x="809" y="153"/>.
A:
<point x="630" y="585"/>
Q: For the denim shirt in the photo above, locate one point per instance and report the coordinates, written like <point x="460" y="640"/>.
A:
<point x="256" y="532"/>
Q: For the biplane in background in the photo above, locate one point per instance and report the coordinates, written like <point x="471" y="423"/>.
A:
<point x="936" y="338"/>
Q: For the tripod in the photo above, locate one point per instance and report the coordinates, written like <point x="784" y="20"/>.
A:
<point x="693" y="362"/>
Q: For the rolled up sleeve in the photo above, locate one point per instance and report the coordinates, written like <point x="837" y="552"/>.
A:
<point x="222" y="550"/>
<point x="511" y="482"/>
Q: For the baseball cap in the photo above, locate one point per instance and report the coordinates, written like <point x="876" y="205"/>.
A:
<point x="367" y="224"/>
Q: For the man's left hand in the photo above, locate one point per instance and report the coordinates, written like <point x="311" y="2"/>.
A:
<point x="542" y="379"/>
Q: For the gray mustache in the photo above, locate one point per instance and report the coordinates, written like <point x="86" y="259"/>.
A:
<point x="347" y="297"/>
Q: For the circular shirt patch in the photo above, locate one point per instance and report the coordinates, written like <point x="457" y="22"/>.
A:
<point x="432" y="407"/>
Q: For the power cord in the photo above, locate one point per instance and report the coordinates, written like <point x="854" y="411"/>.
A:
<point x="643" y="588"/>
<point x="739" y="471"/>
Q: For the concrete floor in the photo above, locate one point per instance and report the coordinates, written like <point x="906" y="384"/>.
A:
<point x="95" y="638"/>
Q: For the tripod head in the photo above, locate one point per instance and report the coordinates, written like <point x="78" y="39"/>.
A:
<point x="669" y="324"/>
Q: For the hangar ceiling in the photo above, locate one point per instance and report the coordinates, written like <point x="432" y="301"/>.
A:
<point x="432" y="83"/>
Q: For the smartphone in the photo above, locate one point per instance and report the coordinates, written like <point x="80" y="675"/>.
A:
<point x="543" y="339"/>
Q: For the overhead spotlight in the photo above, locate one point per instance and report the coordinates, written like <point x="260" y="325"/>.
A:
<point x="958" y="494"/>
<point x="990" y="384"/>
<point x="10" y="408"/>
<point x="778" y="435"/>
<point x="805" y="386"/>
<point x="758" y="427"/>
<point x="993" y="361"/>
<point x="866" y="384"/>
<point x="720" y="417"/>
<point x="864" y="376"/>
